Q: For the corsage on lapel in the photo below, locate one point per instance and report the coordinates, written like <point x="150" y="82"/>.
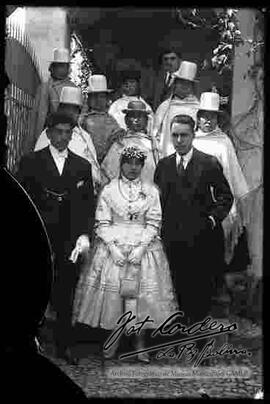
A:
<point x="142" y="195"/>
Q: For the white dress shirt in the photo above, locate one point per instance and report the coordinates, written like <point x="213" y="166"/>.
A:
<point x="80" y="144"/>
<point x="169" y="79"/>
<point x="186" y="158"/>
<point x="59" y="158"/>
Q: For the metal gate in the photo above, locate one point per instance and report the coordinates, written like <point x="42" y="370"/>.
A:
<point x="24" y="73"/>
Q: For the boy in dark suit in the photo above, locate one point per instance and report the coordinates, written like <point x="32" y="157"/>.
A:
<point x="195" y="198"/>
<point x="170" y="59"/>
<point x="60" y="184"/>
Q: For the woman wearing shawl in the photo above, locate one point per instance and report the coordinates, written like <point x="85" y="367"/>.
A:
<point x="211" y="140"/>
<point x="136" y="117"/>
<point x="183" y="96"/>
<point x="130" y="91"/>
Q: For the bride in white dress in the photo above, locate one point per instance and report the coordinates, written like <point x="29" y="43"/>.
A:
<point x="127" y="246"/>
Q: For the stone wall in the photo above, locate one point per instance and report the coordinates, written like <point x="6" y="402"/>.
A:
<point x="248" y="132"/>
<point x="47" y="28"/>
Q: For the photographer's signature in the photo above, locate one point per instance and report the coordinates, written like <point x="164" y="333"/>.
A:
<point x="186" y="345"/>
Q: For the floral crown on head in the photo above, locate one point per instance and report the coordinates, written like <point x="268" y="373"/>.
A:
<point x="133" y="152"/>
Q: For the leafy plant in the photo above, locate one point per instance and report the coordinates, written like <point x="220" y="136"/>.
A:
<point x="225" y="23"/>
<point x="81" y="64"/>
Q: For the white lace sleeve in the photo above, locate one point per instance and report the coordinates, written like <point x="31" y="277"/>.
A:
<point x="103" y="219"/>
<point x="153" y="218"/>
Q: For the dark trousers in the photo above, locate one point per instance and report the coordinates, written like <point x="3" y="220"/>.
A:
<point x="191" y="272"/>
<point x="62" y="296"/>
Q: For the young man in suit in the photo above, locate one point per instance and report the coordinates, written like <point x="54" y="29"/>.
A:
<point x="195" y="198"/>
<point x="170" y="60"/>
<point x="60" y="184"/>
<point x="81" y="141"/>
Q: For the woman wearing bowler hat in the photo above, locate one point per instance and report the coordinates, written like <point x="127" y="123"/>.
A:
<point x="48" y="94"/>
<point x="130" y="89"/>
<point x="211" y="140"/>
<point x="183" y="96"/>
<point x="102" y="126"/>
<point x="136" y="117"/>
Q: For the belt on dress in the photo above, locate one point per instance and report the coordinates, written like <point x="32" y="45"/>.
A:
<point x="55" y="196"/>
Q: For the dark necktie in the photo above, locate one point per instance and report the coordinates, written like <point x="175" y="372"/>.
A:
<point x="180" y="167"/>
<point x="168" y="81"/>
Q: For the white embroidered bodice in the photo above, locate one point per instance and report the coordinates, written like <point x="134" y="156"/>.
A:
<point x="128" y="212"/>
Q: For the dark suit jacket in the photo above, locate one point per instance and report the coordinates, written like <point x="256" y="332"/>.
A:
<point x="189" y="200"/>
<point x="161" y="91"/>
<point x="70" y="217"/>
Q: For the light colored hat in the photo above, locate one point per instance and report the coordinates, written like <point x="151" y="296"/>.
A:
<point x="186" y="71"/>
<point x="134" y="106"/>
<point x="97" y="83"/>
<point x="209" y="102"/>
<point x="71" y="95"/>
<point x="61" y="55"/>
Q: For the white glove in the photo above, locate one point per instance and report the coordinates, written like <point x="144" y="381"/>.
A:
<point x="136" y="255"/>
<point x="117" y="256"/>
<point x="82" y="245"/>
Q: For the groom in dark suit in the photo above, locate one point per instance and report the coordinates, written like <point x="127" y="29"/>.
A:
<point x="60" y="184"/>
<point x="195" y="198"/>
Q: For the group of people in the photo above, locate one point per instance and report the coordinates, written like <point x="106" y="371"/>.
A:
<point x="152" y="199"/>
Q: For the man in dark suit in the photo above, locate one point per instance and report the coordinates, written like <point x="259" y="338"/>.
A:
<point x="195" y="198"/>
<point x="60" y="184"/>
<point x="170" y="60"/>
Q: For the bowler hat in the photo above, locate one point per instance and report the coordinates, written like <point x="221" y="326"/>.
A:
<point x="186" y="71"/>
<point x="136" y="106"/>
<point x="209" y="101"/>
<point x="71" y="95"/>
<point x="97" y="83"/>
<point x="61" y="55"/>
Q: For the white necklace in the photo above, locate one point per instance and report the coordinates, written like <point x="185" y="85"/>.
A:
<point x="131" y="216"/>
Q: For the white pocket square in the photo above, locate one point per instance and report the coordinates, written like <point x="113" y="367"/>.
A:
<point x="80" y="184"/>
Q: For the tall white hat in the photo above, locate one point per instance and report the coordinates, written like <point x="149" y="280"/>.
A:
<point x="61" y="55"/>
<point x="71" y="95"/>
<point x="97" y="83"/>
<point x="186" y="71"/>
<point x="209" y="101"/>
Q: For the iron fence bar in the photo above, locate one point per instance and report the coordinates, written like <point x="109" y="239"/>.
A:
<point x="19" y="103"/>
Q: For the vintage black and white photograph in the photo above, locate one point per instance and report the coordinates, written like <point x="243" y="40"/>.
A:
<point x="133" y="193"/>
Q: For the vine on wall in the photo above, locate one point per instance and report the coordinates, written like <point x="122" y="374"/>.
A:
<point x="225" y="23"/>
